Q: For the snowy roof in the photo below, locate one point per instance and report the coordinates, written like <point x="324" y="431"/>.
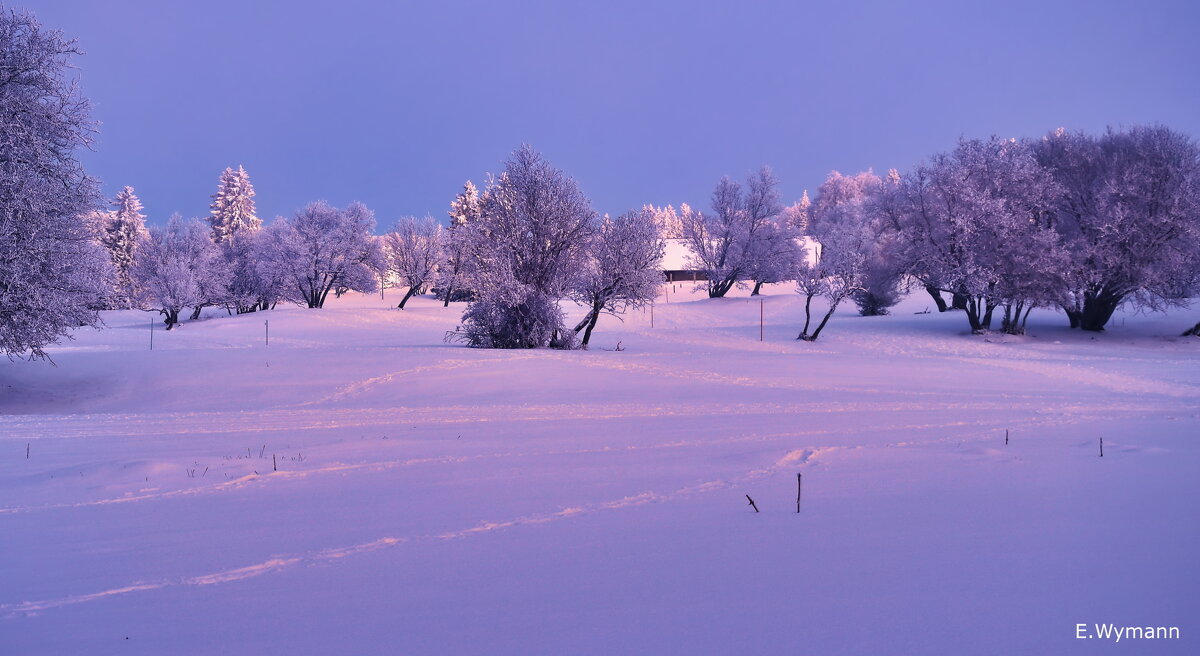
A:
<point x="677" y="253"/>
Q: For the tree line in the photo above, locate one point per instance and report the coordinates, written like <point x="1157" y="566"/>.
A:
<point x="995" y="228"/>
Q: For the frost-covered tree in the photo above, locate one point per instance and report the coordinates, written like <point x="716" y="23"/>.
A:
<point x="1127" y="212"/>
<point x="622" y="270"/>
<point x="724" y="241"/>
<point x="232" y="208"/>
<point x="855" y="204"/>
<point x="775" y="255"/>
<point x="977" y="222"/>
<point x="178" y="267"/>
<point x="839" y="272"/>
<point x="125" y="231"/>
<point x="413" y="249"/>
<point x="670" y="226"/>
<point x="53" y="276"/>
<point x="320" y="249"/>
<point x="528" y="243"/>
<point x="795" y="216"/>
<point x="465" y="210"/>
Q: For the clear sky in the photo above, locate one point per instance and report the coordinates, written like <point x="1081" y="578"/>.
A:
<point x="397" y="103"/>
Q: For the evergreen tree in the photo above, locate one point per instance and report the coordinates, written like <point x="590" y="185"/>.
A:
<point x="232" y="209"/>
<point x="125" y="230"/>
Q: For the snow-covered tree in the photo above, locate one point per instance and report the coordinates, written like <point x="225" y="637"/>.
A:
<point x="413" y="249"/>
<point x="724" y="242"/>
<point x="775" y="255"/>
<point x="528" y="243"/>
<point x="795" y="216"/>
<point x="465" y="210"/>
<point x="1127" y="212"/>
<point x="839" y="272"/>
<point x="52" y="274"/>
<point x="667" y="219"/>
<point x="622" y="270"/>
<point x="126" y="229"/>
<point x="852" y="204"/>
<point x="977" y="222"/>
<point x="177" y="267"/>
<point x="232" y="208"/>
<point x="320" y="249"/>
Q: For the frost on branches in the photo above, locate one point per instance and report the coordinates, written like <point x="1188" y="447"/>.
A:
<point x="178" y="267"/>
<point x="52" y="274"/>
<point x="452" y="271"/>
<point x="321" y="249"/>
<point x="622" y="269"/>
<point x="1127" y="212"/>
<point x="530" y="239"/>
<point x="232" y="208"/>
<point x="123" y="234"/>
<point x="727" y="244"/>
<point x="413" y="249"/>
<point x="977" y="223"/>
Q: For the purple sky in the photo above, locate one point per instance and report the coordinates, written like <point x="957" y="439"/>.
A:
<point x="396" y="104"/>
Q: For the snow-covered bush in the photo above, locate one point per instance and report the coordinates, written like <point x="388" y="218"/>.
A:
<point x="1127" y="212"/>
<point x="413" y="249"/>
<point x="53" y="275"/>
<point x="529" y="241"/>
<point x="320" y="249"/>
<point x="177" y="267"/>
<point x="622" y="269"/>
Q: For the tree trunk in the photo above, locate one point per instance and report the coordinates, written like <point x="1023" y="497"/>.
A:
<point x="807" y="316"/>
<point x="720" y="288"/>
<point x="449" y="292"/>
<point x="1098" y="308"/>
<point x="825" y="320"/>
<point x="1073" y="316"/>
<point x="936" y="294"/>
<point x="172" y="318"/>
<point x="959" y="301"/>
<point x="196" y="312"/>
<point x="757" y="287"/>
<point x="1194" y="331"/>
<point x="407" y="295"/>
<point x="587" y="333"/>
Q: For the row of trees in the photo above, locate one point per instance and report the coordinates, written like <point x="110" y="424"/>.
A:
<point x="1070" y="220"/>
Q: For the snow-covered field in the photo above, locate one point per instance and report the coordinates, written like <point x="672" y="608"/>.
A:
<point x="431" y="498"/>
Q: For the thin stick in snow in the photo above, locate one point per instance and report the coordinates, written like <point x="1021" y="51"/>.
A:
<point x="27" y="450"/>
<point x="799" y="484"/>
<point x="760" y="319"/>
<point x="151" y="333"/>
<point x="267" y="332"/>
<point x="1005" y="437"/>
<point x="752" y="504"/>
<point x="262" y="451"/>
<point x="1102" y="447"/>
<point x="274" y="464"/>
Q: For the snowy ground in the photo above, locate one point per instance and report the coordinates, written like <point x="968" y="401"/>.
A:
<point x="431" y="498"/>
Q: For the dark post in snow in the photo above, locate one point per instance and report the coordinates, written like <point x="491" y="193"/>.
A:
<point x="1005" y="437"/>
<point x="752" y="504"/>
<point x="27" y="450"/>
<point x="274" y="463"/>
<point x="151" y="333"/>
<point x="1102" y="447"/>
<point x="651" y="314"/>
<point x="799" y="483"/>
<point x="760" y="319"/>
<point x="267" y="332"/>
